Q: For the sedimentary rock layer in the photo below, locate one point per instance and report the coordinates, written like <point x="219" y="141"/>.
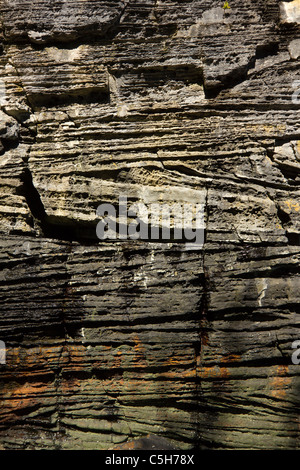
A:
<point x="108" y="341"/>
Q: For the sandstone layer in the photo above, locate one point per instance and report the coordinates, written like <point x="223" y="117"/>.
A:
<point x="110" y="341"/>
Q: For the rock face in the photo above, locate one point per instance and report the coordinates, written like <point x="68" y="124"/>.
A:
<point x="108" y="341"/>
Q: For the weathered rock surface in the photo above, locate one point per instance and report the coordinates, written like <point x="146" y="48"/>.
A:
<point x="110" y="341"/>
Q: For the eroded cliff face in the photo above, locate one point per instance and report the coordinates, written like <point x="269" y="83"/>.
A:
<point x="108" y="341"/>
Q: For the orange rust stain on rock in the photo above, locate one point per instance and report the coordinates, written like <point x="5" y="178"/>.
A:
<point x="231" y="358"/>
<point x="22" y="363"/>
<point x="22" y="397"/>
<point x="21" y="359"/>
<point x="117" y="360"/>
<point x="200" y="372"/>
<point x="224" y="372"/>
<point x="75" y="356"/>
<point x="116" y="384"/>
<point x="140" y="352"/>
<point x="173" y="361"/>
<point x="24" y="360"/>
<point x="181" y="360"/>
<point x="214" y="371"/>
<point x="127" y="446"/>
<point x="280" y="382"/>
<point x="70" y="386"/>
<point x="180" y="374"/>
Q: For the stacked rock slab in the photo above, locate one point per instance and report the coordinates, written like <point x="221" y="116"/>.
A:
<point x="110" y="341"/>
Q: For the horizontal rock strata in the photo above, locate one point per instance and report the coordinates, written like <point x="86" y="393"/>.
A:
<point x="109" y="341"/>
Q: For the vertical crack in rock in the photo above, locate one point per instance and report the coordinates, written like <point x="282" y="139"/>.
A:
<point x="33" y="200"/>
<point x="203" y="331"/>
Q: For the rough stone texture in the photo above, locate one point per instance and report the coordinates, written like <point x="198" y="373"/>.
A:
<point x="108" y="342"/>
